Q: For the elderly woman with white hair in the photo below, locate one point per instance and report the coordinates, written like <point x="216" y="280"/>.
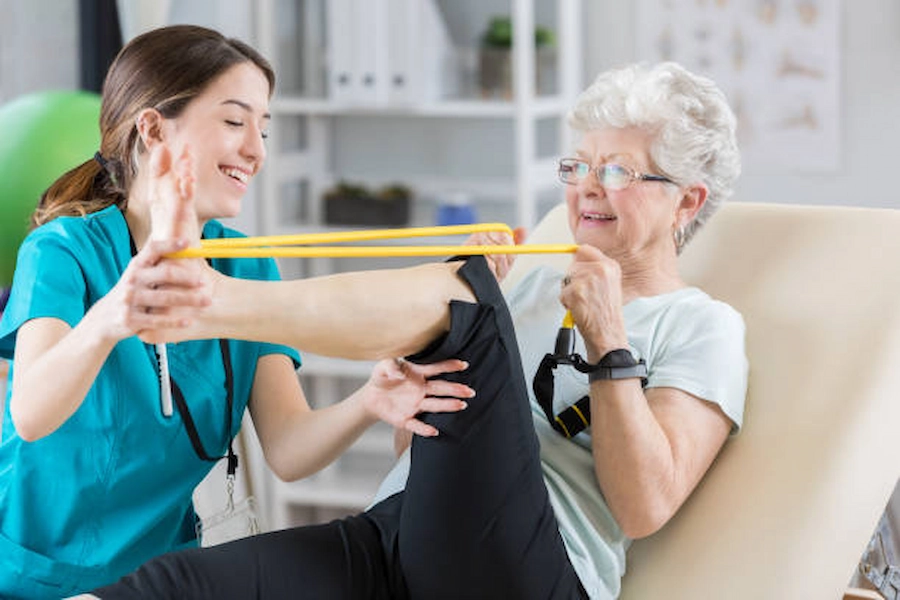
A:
<point x="536" y="489"/>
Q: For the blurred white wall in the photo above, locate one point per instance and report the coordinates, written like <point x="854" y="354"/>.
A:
<point x="38" y="46"/>
<point x="870" y="100"/>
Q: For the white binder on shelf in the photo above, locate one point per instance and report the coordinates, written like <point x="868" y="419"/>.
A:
<point x="370" y="27"/>
<point x="438" y="71"/>
<point x="342" y="79"/>
<point x="389" y="52"/>
<point x="403" y="57"/>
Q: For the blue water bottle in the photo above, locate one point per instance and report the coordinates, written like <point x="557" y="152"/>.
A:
<point x="455" y="208"/>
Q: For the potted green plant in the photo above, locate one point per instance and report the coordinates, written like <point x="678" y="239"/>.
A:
<point x="495" y="60"/>
<point x="394" y="203"/>
<point x="355" y="204"/>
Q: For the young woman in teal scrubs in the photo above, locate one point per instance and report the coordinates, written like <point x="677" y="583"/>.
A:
<point x="95" y="478"/>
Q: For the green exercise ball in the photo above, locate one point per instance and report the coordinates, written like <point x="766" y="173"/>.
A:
<point x="42" y="135"/>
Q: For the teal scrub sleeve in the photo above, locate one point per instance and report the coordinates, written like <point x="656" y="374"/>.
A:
<point x="48" y="282"/>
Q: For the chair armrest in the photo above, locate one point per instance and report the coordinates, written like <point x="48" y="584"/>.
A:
<point x="861" y="594"/>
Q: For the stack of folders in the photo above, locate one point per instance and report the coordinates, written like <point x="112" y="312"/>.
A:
<point x="388" y="52"/>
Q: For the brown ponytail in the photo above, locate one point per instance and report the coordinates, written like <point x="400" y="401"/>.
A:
<point x="86" y="189"/>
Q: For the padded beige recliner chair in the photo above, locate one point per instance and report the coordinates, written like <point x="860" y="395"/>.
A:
<point x="790" y="504"/>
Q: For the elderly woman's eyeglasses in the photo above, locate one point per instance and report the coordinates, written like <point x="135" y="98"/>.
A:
<point x="612" y="176"/>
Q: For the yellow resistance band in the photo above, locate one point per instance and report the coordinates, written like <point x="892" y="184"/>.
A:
<point x="331" y="237"/>
<point x="297" y="246"/>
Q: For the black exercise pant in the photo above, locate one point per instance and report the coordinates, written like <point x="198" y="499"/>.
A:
<point x="475" y="520"/>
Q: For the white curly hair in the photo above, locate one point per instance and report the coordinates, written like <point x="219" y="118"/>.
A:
<point x="693" y="127"/>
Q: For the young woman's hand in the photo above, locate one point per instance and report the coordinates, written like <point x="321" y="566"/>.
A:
<point x="182" y="286"/>
<point x="500" y="264"/>
<point x="152" y="294"/>
<point x="398" y="391"/>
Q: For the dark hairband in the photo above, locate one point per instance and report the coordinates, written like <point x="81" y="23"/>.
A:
<point x="99" y="158"/>
<point x="107" y="168"/>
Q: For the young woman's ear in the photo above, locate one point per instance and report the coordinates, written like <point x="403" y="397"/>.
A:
<point x="149" y="123"/>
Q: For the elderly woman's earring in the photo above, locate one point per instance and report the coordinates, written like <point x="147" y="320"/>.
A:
<point x="678" y="235"/>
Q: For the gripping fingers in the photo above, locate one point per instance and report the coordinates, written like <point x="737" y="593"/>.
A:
<point x="452" y="365"/>
<point x="150" y="280"/>
<point x="164" y="309"/>
<point x="150" y="271"/>
<point x="155" y="250"/>
<point x="419" y="428"/>
<point x="448" y="389"/>
<point x="443" y="405"/>
<point x="160" y="299"/>
<point x="155" y="321"/>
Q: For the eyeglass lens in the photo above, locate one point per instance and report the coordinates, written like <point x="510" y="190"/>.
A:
<point x="612" y="176"/>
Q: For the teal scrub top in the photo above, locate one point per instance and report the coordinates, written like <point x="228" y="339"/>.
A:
<point x="112" y="486"/>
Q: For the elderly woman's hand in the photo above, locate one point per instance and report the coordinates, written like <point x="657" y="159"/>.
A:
<point x="500" y="264"/>
<point x="592" y="292"/>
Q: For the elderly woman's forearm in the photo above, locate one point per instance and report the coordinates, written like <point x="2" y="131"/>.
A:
<point x="650" y="451"/>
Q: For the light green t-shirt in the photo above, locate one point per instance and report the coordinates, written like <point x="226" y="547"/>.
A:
<point x="688" y="340"/>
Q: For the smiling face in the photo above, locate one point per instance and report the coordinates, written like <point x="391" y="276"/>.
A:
<point x="632" y="224"/>
<point x="224" y="127"/>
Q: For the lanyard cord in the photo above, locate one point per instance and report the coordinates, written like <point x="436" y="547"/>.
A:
<point x="185" y="413"/>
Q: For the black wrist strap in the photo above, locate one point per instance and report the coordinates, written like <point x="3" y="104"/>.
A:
<point x="634" y="371"/>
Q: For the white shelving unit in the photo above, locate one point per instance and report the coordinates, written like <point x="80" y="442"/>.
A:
<point x="501" y="152"/>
